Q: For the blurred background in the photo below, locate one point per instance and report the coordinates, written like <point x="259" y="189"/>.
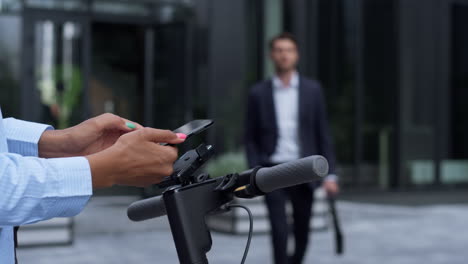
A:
<point x="395" y="74"/>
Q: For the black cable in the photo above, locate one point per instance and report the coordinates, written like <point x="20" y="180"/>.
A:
<point x="250" y="229"/>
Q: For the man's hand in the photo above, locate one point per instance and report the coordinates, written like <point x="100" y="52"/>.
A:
<point x="91" y="136"/>
<point x="136" y="159"/>
<point x="331" y="187"/>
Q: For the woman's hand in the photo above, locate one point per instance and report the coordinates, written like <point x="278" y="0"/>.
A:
<point x="136" y="159"/>
<point x="89" y="137"/>
<point x="331" y="187"/>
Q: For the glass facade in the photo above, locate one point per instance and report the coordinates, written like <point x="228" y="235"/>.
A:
<point x="454" y="166"/>
<point x="172" y="106"/>
<point x="58" y="71"/>
<point x="356" y="64"/>
<point x="418" y="99"/>
<point x="10" y="57"/>
<point x="378" y="52"/>
<point x="337" y="71"/>
<point x="117" y="77"/>
<point x="393" y="75"/>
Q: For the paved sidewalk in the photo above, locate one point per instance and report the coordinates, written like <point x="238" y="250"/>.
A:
<point x="374" y="234"/>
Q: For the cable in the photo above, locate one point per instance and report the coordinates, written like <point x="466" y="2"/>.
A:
<point x="250" y="229"/>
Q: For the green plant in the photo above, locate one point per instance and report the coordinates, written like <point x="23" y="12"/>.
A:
<point x="69" y="97"/>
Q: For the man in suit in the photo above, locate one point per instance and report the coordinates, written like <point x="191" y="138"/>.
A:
<point x="286" y="120"/>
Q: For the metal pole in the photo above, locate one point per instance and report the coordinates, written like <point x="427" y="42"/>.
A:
<point x="359" y="92"/>
<point x="149" y="77"/>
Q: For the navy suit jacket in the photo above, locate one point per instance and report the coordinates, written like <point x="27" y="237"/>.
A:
<point x="261" y="131"/>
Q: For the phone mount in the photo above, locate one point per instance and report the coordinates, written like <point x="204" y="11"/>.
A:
<point x="188" y="199"/>
<point x="187" y="165"/>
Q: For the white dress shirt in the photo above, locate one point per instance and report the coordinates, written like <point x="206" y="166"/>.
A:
<point x="286" y="101"/>
<point x="34" y="189"/>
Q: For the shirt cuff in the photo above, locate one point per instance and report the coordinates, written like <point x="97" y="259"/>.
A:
<point x="75" y="187"/>
<point x="332" y="177"/>
<point x="23" y="136"/>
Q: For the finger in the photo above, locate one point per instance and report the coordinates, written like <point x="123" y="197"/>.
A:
<point x="161" y="136"/>
<point x="171" y="153"/>
<point x="132" y="125"/>
<point x="110" y="121"/>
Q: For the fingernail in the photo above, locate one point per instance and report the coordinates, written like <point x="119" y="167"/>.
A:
<point x="181" y="135"/>
<point x="130" y="125"/>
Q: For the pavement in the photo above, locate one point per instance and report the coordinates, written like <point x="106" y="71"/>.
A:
<point x="374" y="233"/>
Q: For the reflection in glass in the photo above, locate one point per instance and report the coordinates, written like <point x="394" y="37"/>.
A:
<point x="380" y="89"/>
<point x="418" y="98"/>
<point x="57" y="4"/>
<point x="454" y="167"/>
<point x="360" y="87"/>
<point x="10" y="43"/>
<point x="114" y="7"/>
<point x="170" y="76"/>
<point x="58" y="71"/>
<point x="10" y="6"/>
<point x="336" y="72"/>
<point x="117" y="79"/>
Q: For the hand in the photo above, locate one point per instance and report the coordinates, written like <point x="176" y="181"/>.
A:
<point x="91" y="136"/>
<point x="136" y="159"/>
<point x="331" y="187"/>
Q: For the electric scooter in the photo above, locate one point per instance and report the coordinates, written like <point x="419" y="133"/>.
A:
<point x="189" y="197"/>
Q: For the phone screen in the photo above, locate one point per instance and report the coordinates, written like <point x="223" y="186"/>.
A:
<point x="194" y="127"/>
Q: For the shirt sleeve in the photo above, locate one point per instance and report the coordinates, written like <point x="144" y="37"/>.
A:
<point x="35" y="189"/>
<point x="23" y="136"/>
<point x="332" y="177"/>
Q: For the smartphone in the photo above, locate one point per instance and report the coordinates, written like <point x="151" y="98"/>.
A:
<point x="193" y="127"/>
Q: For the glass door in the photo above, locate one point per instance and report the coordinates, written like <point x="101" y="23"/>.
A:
<point x="117" y="82"/>
<point x="54" y="63"/>
<point x="454" y="167"/>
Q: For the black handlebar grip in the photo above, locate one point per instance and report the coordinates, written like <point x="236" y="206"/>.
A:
<point x="291" y="173"/>
<point x="146" y="209"/>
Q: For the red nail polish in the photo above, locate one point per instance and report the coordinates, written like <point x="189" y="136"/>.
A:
<point x="181" y="135"/>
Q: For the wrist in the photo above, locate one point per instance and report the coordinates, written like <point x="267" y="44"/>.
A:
<point x="104" y="170"/>
<point x="331" y="178"/>
<point x="53" y="144"/>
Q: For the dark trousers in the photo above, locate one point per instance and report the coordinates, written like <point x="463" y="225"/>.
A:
<point x="301" y="197"/>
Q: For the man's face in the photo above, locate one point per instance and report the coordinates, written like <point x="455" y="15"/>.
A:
<point x="284" y="55"/>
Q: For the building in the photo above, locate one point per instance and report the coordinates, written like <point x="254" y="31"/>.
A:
<point x="394" y="72"/>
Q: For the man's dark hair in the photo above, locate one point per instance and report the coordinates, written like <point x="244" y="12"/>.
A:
<point x="284" y="35"/>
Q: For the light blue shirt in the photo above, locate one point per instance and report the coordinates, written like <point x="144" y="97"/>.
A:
<point x="34" y="189"/>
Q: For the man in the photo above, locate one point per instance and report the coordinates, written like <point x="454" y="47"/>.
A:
<point x="286" y="120"/>
<point x="46" y="173"/>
